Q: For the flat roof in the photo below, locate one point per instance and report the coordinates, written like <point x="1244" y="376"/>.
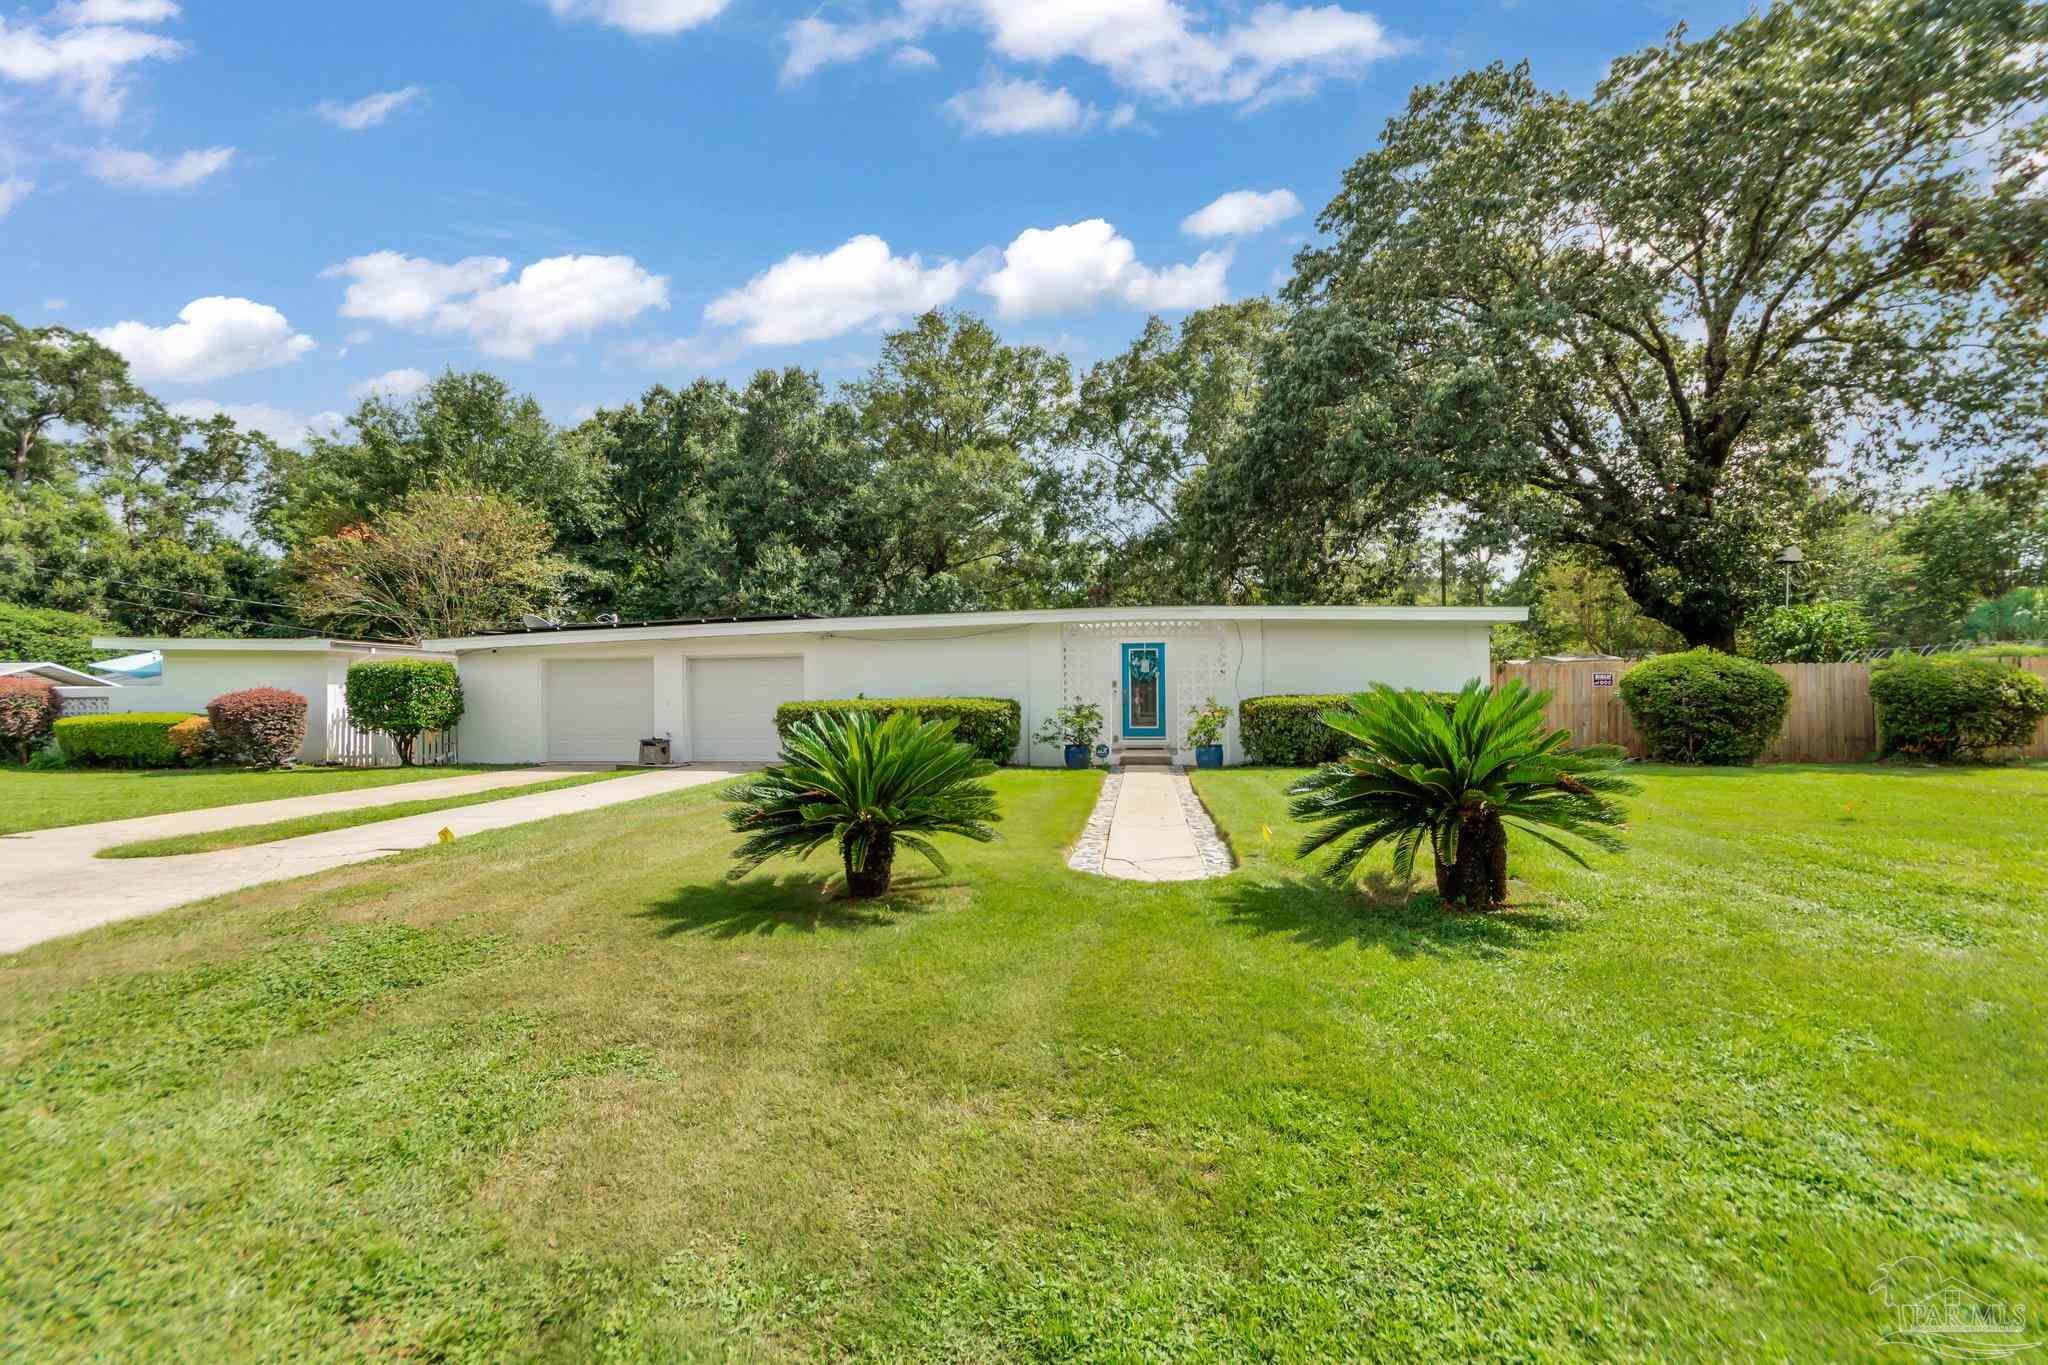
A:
<point x="63" y="674"/>
<point x="136" y="644"/>
<point x="860" y="625"/>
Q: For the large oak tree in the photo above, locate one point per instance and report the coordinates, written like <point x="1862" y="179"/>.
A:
<point x="1646" y="321"/>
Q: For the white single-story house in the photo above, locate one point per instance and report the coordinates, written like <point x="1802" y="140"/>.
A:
<point x="196" y="671"/>
<point x="592" y="693"/>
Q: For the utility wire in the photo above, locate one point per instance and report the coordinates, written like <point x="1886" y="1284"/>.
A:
<point x="300" y="627"/>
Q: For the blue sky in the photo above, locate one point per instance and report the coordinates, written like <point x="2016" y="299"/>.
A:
<point x="270" y="206"/>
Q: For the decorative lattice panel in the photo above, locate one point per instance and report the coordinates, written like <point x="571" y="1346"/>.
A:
<point x="1199" y="664"/>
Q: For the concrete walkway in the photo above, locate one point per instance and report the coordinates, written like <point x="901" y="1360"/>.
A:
<point x="1148" y="827"/>
<point x="51" y="885"/>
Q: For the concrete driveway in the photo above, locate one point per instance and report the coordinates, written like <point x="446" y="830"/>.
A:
<point x="52" y="885"/>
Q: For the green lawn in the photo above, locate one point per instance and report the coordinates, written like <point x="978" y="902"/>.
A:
<point x="244" y="835"/>
<point x="84" y="796"/>
<point x="558" y="1091"/>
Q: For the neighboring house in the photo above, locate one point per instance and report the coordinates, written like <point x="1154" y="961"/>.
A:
<point x="57" y="675"/>
<point x="592" y="693"/>
<point x="194" y="672"/>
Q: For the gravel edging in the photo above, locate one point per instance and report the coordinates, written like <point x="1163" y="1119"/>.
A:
<point x="1094" y="841"/>
<point x="1217" y="859"/>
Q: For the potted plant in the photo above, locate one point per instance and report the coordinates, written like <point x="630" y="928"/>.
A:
<point x="1075" y="726"/>
<point x="1205" y="732"/>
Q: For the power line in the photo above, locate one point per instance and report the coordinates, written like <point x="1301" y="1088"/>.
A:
<point x="300" y="627"/>
<point x="193" y="592"/>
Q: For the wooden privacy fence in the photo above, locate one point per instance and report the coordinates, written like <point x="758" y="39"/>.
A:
<point x="1830" y="719"/>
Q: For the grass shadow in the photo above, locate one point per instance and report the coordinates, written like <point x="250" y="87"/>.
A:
<point x="760" y="906"/>
<point x="1382" y="913"/>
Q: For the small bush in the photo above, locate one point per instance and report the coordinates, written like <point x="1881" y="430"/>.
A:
<point x="135" y="739"/>
<point x="49" y="759"/>
<point x="404" y="698"/>
<point x="1810" y="633"/>
<point x="1287" y="730"/>
<point x="193" y="739"/>
<point x="1705" y="707"/>
<point x="28" y="710"/>
<point x="1954" y="708"/>
<point x="259" y="727"/>
<point x="988" y="725"/>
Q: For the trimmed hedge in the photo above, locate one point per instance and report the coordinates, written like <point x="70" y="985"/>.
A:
<point x="261" y="727"/>
<point x="1954" y="708"/>
<point x="1706" y="707"/>
<point x="28" y="708"/>
<point x="133" y="739"/>
<point x="989" y="725"/>
<point x="404" y="698"/>
<point x="1287" y="730"/>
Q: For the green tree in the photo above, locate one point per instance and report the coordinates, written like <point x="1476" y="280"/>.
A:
<point x="441" y="562"/>
<point x="1658" y="312"/>
<point x="1147" y="423"/>
<point x="53" y="379"/>
<point x="963" y="432"/>
<point x="463" y="430"/>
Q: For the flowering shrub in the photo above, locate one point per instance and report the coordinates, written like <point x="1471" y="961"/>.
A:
<point x="28" y="712"/>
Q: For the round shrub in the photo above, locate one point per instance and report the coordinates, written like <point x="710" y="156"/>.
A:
<point x="193" y="739"/>
<point x="28" y="712"/>
<point x="259" y="727"/>
<point x="404" y="698"/>
<point x="1287" y="731"/>
<point x="1948" y="707"/>
<point x="132" y="739"/>
<point x="988" y="725"/>
<point x="1705" y="707"/>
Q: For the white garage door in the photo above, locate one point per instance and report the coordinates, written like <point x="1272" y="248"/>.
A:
<point x="599" y="709"/>
<point x="732" y="705"/>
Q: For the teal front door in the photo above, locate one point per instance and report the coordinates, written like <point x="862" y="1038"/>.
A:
<point x="1144" y="691"/>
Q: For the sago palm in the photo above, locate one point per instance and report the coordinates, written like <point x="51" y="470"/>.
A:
<point x="867" y="787"/>
<point x="1457" y="778"/>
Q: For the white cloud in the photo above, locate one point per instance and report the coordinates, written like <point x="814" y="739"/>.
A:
<point x="1240" y="212"/>
<point x="1156" y="48"/>
<point x="808" y="297"/>
<point x="1123" y="116"/>
<point x="359" y="337"/>
<point x="370" y="111"/>
<point x="86" y="62"/>
<point x="816" y="43"/>
<point x="56" y="305"/>
<point x="1076" y="266"/>
<point x="553" y="299"/>
<point x="392" y="384"/>
<point x="641" y="16"/>
<point x="1001" y="106"/>
<point x="388" y="286"/>
<point x="12" y="191"/>
<point x="548" y="301"/>
<point x="115" y="12"/>
<point x="281" y="425"/>
<point x="140" y="170"/>
<point x="912" y="58"/>
<point x="212" y="339"/>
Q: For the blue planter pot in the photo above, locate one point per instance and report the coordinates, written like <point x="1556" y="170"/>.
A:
<point x="1077" y="755"/>
<point x="1208" y="755"/>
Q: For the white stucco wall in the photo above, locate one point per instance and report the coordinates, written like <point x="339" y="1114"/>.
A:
<point x="1041" y="666"/>
<point x="194" y="676"/>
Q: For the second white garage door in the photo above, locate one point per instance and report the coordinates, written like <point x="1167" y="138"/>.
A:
<point x="599" y="709"/>
<point x="732" y="705"/>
